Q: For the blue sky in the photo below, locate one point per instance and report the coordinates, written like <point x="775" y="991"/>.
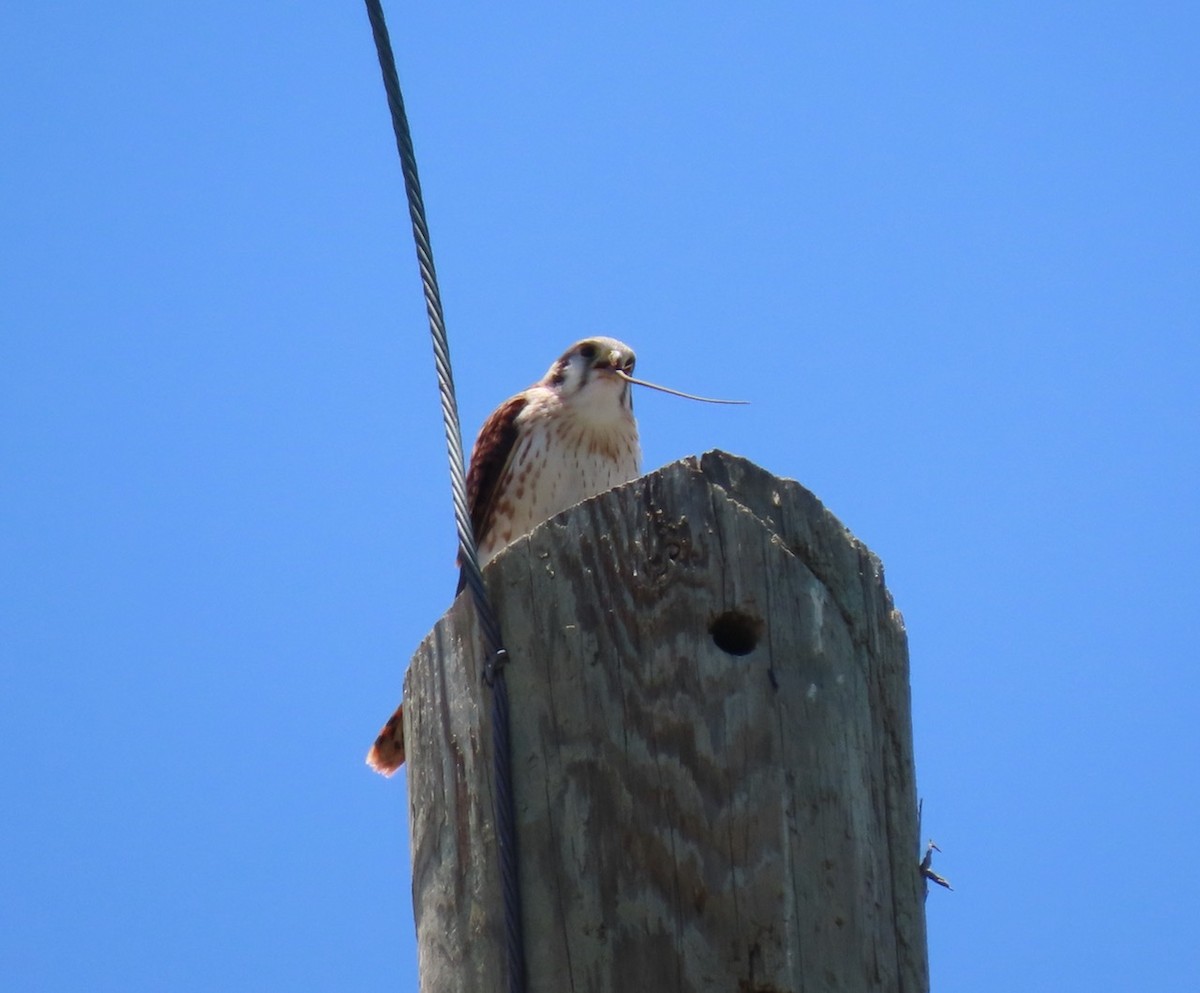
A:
<point x="949" y="251"/>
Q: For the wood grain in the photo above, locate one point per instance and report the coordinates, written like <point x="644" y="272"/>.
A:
<point x="689" y="819"/>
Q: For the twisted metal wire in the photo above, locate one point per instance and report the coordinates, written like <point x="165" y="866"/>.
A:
<point x="468" y="556"/>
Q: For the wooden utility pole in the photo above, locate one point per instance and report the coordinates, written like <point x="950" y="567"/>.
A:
<point x="711" y="747"/>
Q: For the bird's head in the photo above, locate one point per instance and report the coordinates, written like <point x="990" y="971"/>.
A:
<point x="585" y="377"/>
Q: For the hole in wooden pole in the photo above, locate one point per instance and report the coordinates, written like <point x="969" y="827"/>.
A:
<point x="735" y="632"/>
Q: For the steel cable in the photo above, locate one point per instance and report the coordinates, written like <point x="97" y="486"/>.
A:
<point x="468" y="556"/>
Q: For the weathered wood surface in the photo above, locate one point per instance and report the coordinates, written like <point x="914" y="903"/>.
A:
<point x="689" y="819"/>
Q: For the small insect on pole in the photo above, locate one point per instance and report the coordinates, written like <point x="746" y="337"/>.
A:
<point x="712" y="753"/>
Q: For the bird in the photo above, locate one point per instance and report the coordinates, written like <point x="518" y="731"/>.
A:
<point x="568" y="437"/>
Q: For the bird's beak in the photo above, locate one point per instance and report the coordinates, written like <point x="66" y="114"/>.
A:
<point x="620" y="362"/>
<point x="616" y="363"/>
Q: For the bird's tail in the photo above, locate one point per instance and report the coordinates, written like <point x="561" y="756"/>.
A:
<point x="387" y="754"/>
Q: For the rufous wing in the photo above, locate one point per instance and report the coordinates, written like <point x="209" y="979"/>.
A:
<point x="489" y="462"/>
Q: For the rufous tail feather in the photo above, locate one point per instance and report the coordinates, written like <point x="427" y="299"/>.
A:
<point x="387" y="754"/>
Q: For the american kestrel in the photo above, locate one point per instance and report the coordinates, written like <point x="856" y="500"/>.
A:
<point x="570" y="436"/>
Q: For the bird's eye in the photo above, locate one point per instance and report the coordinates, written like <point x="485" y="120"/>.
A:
<point x="588" y="351"/>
